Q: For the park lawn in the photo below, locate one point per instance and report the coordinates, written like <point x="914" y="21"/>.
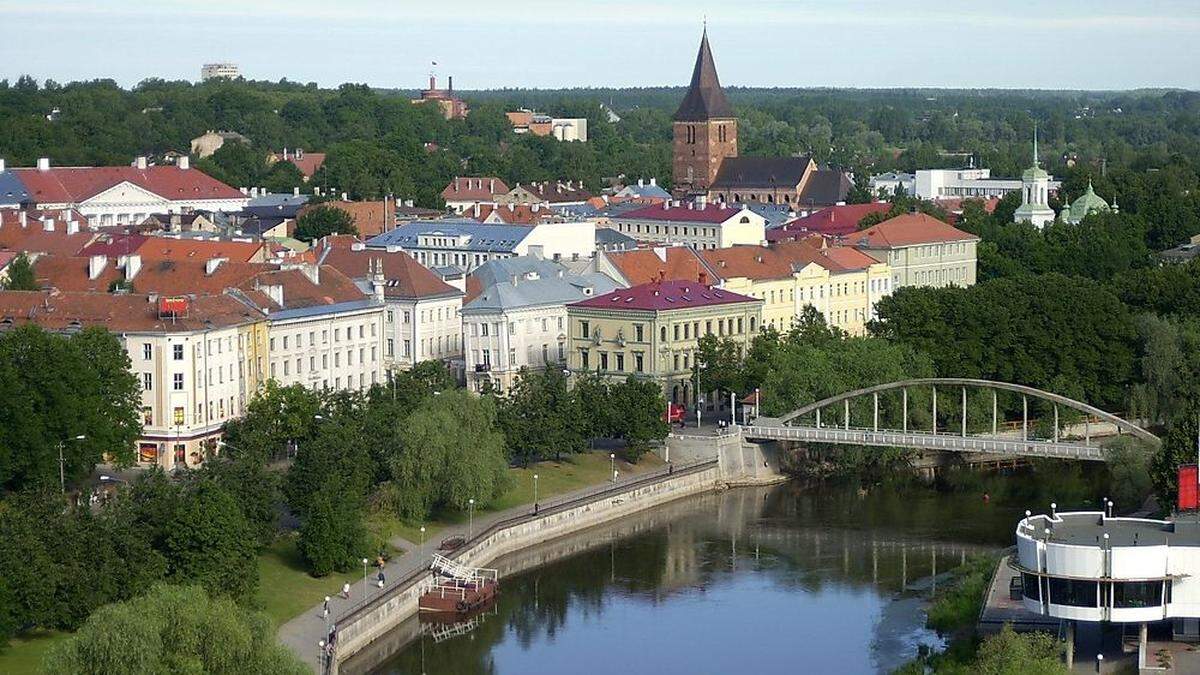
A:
<point x="285" y="589"/>
<point x="554" y="478"/>
<point x="24" y="653"/>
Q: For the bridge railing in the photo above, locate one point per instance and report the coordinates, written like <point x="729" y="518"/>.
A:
<point x="926" y="440"/>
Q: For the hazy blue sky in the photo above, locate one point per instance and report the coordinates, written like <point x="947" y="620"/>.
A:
<point x="1093" y="44"/>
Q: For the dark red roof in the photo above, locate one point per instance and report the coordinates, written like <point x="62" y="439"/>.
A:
<point x="711" y="213"/>
<point x="76" y="184"/>
<point x="664" y="295"/>
<point x="831" y="220"/>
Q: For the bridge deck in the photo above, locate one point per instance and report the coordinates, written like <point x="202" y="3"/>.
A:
<point x="926" y="441"/>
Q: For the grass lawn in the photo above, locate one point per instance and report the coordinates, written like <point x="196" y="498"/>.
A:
<point x="24" y="653"/>
<point x="285" y="589"/>
<point x="554" y="478"/>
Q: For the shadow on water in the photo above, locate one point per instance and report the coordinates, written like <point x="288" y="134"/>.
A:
<point x="824" y="577"/>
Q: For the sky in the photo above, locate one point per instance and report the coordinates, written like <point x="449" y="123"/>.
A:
<point x="1055" y="44"/>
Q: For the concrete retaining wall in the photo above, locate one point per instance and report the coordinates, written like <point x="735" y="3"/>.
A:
<point x="378" y="617"/>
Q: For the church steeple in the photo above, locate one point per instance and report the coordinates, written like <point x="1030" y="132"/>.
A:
<point x="705" y="130"/>
<point x="704" y="100"/>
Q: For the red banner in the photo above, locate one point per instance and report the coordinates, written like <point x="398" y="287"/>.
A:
<point x="176" y="306"/>
<point x="1189" y="476"/>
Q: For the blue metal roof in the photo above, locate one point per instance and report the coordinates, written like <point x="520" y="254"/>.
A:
<point x="12" y="190"/>
<point x="483" y="238"/>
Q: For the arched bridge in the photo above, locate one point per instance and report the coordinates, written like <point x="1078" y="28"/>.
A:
<point x="843" y="429"/>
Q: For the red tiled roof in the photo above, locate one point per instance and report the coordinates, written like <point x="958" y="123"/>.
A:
<point x="644" y="265"/>
<point x="554" y="192"/>
<point x="751" y="262"/>
<point x="35" y="239"/>
<point x="711" y="213"/>
<point x="474" y="189"/>
<point x="169" y="277"/>
<point x="406" y="277"/>
<point x="908" y="230"/>
<point x="171" y="248"/>
<point x="77" y="184"/>
<point x="308" y="163"/>
<point x="300" y="291"/>
<point x="831" y="220"/>
<point x="833" y="258"/>
<point x="120" y="313"/>
<point x="663" y="296"/>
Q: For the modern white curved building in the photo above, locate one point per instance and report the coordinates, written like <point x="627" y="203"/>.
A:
<point x="1086" y="566"/>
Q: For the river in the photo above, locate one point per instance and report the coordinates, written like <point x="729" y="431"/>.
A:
<point x="809" y="578"/>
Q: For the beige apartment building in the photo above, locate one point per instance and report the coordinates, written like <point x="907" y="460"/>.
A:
<point x="920" y="250"/>
<point x="652" y="331"/>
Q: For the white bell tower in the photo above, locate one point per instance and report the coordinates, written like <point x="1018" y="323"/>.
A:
<point x="1035" y="193"/>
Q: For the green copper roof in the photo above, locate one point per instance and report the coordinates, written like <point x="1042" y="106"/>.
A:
<point x="1034" y="173"/>
<point x="1089" y="202"/>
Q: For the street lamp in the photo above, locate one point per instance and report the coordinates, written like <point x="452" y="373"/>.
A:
<point x="421" y="551"/>
<point x="471" y="518"/>
<point x="321" y="654"/>
<point x="364" y="579"/>
<point x="614" y="476"/>
<point x="612" y="464"/>
<point x="62" y="472"/>
<point x="535" y="499"/>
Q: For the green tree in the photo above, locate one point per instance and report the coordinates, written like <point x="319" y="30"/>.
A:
<point x="56" y="389"/>
<point x="1012" y="653"/>
<point x="275" y="419"/>
<point x="1178" y="447"/>
<point x="332" y="535"/>
<point x="256" y="489"/>
<point x="1128" y="461"/>
<point x="209" y="542"/>
<point x="434" y="469"/>
<point x="19" y="275"/>
<point x="541" y="418"/>
<point x="174" y="629"/>
<point x="638" y="412"/>
<point x="322" y="220"/>
<point x="719" y="365"/>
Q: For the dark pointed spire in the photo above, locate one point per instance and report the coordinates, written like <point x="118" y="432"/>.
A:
<point x="704" y="99"/>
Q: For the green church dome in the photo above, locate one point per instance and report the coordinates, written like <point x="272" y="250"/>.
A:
<point x="1089" y="202"/>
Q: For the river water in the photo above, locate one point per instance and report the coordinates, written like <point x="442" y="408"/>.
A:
<point x="816" y="578"/>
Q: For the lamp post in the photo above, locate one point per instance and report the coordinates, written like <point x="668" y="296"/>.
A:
<point x="535" y="499"/>
<point x="421" y="551"/>
<point x="62" y="472"/>
<point x="612" y="464"/>
<point x="321" y="655"/>
<point x="471" y="518"/>
<point x="365" y="579"/>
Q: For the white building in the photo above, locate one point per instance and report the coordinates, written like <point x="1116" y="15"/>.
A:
<point x="698" y="224"/>
<point x="518" y="318"/>
<point x="1090" y="567"/>
<point x="464" y="192"/>
<point x="968" y="183"/>
<point x="421" y="315"/>
<point x="226" y="70"/>
<point x="126" y="195"/>
<point x="886" y="184"/>
<point x="569" y="128"/>
<point x="467" y="244"/>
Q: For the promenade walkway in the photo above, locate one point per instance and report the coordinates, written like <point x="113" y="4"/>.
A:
<point x="302" y="633"/>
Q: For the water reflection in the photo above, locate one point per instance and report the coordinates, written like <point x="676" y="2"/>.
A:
<point x="819" y="579"/>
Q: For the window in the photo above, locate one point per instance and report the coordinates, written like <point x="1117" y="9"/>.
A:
<point x="1073" y="592"/>
<point x="1137" y="593"/>
<point x="583" y="358"/>
<point x="603" y="360"/>
<point x="147" y="415"/>
<point x="177" y="352"/>
<point x="147" y="381"/>
<point x="583" y="329"/>
<point x="391" y="347"/>
<point x="662" y="332"/>
<point x="638" y="364"/>
<point x="620" y="362"/>
<point x="147" y="351"/>
<point x="408" y="347"/>
<point x="637" y="332"/>
<point x="177" y="383"/>
<point x="676" y="331"/>
<point x="483" y="329"/>
<point x="1030" y="587"/>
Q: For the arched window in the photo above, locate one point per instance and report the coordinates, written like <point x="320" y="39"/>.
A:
<point x="745" y="219"/>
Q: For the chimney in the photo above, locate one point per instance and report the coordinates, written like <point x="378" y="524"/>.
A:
<point x="298" y="154"/>
<point x="344" y="198"/>
<point x="702" y="202"/>
<point x="492" y="186"/>
<point x="43" y="164"/>
<point x="184" y="162"/>
<point x="72" y="226"/>
<point x="24" y="218"/>
<point x="296" y="191"/>
<point x="641" y="183"/>
<point x="140" y="162"/>
<point x="1" y="165"/>
<point x="48" y="224"/>
<point x="450" y="84"/>
<point x="212" y="264"/>
<point x="654" y="181"/>
<point x="703" y="278"/>
<point x="253" y="193"/>
<point x="133" y="265"/>
<point x="285" y="154"/>
<point x="476" y="207"/>
<point x="96" y="265"/>
<point x="244" y="190"/>
<point x="432" y="82"/>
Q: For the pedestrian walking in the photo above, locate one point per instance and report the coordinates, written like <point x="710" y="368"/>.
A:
<point x="346" y="591"/>
<point x="381" y="579"/>
<point x="325" y="609"/>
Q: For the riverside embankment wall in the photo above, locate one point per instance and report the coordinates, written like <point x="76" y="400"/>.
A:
<point x="359" y="628"/>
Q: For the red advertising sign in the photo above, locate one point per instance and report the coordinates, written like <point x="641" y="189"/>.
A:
<point x="675" y="413"/>
<point x="175" y="306"/>
<point x="1188" y="479"/>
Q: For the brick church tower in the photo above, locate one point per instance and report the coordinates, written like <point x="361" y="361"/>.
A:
<point x="705" y="129"/>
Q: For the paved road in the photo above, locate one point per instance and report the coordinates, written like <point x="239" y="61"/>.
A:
<point x="303" y="632"/>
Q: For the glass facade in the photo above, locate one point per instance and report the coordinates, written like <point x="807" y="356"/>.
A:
<point x="1073" y="592"/>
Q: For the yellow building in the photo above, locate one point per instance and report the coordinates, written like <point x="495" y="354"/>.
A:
<point x="652" y="331"/>
<point x="254" y="357"/>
